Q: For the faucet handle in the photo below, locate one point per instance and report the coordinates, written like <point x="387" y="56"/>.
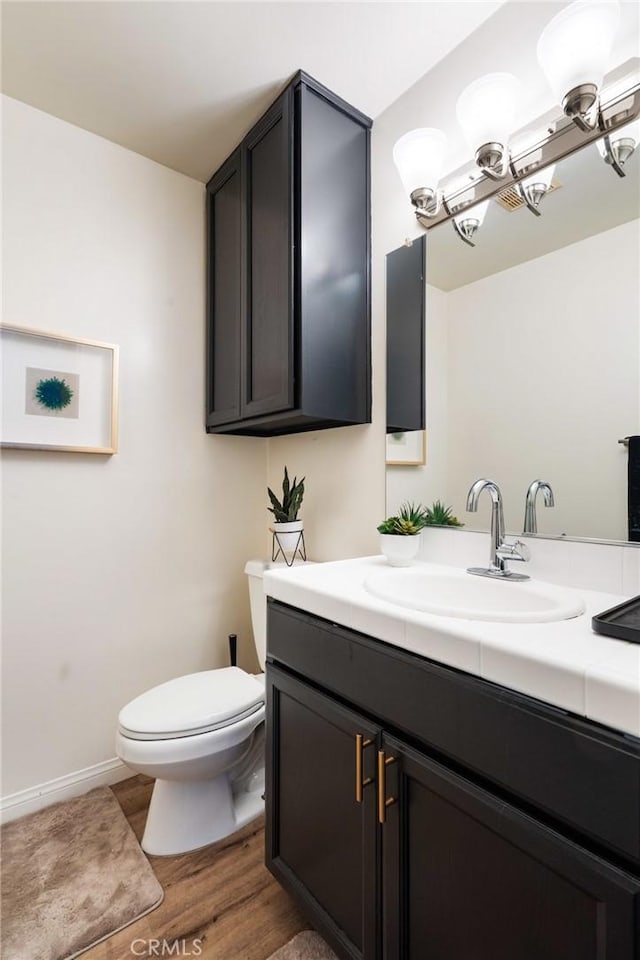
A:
<point x="514" y="551"/>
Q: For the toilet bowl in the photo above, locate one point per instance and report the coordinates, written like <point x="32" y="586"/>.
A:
<point x="201" y="737"/>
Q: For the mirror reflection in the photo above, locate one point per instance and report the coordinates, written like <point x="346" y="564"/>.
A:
<point x="533" y="356"/>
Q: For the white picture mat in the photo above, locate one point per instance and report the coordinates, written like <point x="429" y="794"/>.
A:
<point x="406" y="448"/>
<point x="94" y="366"/>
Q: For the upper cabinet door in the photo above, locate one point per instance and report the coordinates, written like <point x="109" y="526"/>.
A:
<point x="268" y="349"/>
<point x="224" y="219"/>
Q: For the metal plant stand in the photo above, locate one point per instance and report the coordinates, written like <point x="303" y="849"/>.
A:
<point x="277" y="549"/>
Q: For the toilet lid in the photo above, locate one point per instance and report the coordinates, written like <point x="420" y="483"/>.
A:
<point x="194" y="704"/>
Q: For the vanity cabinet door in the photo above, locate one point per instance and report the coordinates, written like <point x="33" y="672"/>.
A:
<point x="467" y="876"/>
<point x="321" y="843"/>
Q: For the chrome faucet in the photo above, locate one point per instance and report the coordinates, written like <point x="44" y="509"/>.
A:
<point x="530" y="519"/>
<point x="500" y="550"/>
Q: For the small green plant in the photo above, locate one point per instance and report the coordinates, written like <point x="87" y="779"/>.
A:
<point x="411" y="519"/>
<point x="292" y="493"/>
<point x="54" y="393"/>
<point x="437" y="515"/>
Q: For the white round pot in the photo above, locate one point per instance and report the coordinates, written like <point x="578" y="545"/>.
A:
<point x="288" y="535"/>
<point x="398" y="549"/>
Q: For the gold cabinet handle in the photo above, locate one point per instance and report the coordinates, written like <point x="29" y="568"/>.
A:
<point x="361" y="743"/>
<point x="383" y="800"/>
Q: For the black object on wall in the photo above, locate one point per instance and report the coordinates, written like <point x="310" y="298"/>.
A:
<point x="634" y="489"/>
<point x="406" y="337"/>
<point x="289" y="316"/>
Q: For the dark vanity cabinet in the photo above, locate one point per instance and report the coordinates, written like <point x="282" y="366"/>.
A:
<point x="288" y="219"/>
<point x="418" y="813"/>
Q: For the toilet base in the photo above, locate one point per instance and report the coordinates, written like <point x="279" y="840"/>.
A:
<point x="185" y="816"/>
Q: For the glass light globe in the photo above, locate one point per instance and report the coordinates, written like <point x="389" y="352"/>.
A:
<point x="574" y="48"/>
<point x="630" y="132"/>
<point x="544" y="177"/>
<point x="474" y="213"/>
<point x="486" y="109"/>
<point x="419" y="157"/>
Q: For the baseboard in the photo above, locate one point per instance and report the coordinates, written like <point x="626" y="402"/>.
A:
<point x="62" y="788"/>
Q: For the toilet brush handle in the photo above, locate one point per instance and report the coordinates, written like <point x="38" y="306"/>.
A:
<point x="233" y="649"/>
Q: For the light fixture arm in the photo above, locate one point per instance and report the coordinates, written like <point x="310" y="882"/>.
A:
<point x="465" y="239"/>
<point x="427" y="202"/>
<point x="617" y="153"/>
<point x="522" y="193"/>
<point x="582" y="105"/>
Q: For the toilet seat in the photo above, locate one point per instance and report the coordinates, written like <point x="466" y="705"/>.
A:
<point x="195" y="704"/>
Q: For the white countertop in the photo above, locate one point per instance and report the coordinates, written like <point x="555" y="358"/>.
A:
<point x="563" y="663"/>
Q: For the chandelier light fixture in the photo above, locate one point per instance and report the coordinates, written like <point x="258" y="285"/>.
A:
<point x="574" y="52"/>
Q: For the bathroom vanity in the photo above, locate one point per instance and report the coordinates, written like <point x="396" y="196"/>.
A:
<point x="417" y="808"/>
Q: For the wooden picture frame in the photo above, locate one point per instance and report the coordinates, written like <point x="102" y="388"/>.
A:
<point x="58" y="392"/>
<point x="407" y="449"/>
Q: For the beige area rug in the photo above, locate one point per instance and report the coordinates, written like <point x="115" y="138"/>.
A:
<point x="72" y="875"/>
<point x="307" y="945"/>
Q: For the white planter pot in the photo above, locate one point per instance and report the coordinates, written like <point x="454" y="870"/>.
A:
<point x="288" y="535"/>
<point x="399" y="550"/>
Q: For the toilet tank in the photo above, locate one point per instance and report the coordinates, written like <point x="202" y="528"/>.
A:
<point x="255" y="570"/>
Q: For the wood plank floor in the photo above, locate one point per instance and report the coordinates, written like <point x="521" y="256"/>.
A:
<point x="223" y="897"/>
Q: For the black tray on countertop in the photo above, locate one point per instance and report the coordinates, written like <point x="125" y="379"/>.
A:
<point x="621" y="622"/>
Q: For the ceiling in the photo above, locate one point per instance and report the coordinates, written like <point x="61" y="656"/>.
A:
<point x="182" y="82"/>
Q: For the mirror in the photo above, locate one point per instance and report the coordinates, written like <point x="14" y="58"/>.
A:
<point x="533" y="355"/>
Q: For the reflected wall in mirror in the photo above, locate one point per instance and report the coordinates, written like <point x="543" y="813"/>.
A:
<point x="533" y="355"/>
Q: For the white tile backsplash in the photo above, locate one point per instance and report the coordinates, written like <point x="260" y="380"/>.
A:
<point x="605" y="567"/>
<point x="631" y="570"/>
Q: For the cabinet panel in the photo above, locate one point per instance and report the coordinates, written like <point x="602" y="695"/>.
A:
<point x="334" y="260"/>
<point x="466" y="875"/>
<point x="321" y="843"/>
<point x="268" y="368"/>
<point x="225" y="287"/>
<point x="406" y="337"/>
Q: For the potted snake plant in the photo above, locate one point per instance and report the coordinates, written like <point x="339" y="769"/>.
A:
<point x="400" y="534"/>
<point x="286" y="526"/>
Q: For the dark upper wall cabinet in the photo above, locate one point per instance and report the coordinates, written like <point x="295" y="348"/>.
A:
<point x="406" y="337"/>
<point x="289" y="258"/>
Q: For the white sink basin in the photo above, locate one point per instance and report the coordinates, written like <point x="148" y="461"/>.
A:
<point x="461" y="595"/>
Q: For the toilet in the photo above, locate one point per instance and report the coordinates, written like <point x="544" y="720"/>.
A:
<point x="202" y="738"/>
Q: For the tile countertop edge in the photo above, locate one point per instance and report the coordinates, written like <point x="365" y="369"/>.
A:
<point x="567" y="665"/>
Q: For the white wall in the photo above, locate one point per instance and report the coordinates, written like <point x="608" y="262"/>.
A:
<point x="119" y="572"/>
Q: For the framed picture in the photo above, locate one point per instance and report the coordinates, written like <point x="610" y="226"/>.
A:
<point x="58" y="393"/>
<point x="407" y="449"/>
